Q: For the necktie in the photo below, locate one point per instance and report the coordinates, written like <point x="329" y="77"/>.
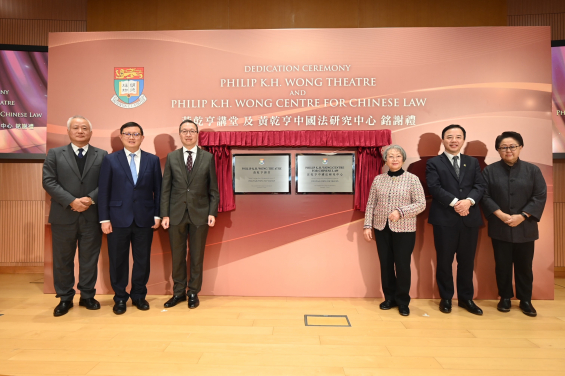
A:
<point x="80" y="155"/>
<point x="132" y="168"/>
<point x="189" y="162"/>
<point x="455" y="165"/>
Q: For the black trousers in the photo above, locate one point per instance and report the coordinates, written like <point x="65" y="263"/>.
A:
<point x="196" y="235"/>
<point x="88" y="236"/>
<point x="459" y="241"/>
<point x="119" y="241"/>
<point x="395" y="252"/>
<point x="522" y="256"/>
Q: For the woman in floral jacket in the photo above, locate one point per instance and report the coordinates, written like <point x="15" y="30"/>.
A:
<point x="396" y="198"/>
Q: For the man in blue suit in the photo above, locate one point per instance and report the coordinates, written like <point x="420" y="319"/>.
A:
<point x="129" y="194"/>
<point x="457" y="186"/>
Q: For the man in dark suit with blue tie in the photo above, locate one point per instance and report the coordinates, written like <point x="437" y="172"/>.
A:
<point x="457" y="186"/>
<point x="129" y="196"/>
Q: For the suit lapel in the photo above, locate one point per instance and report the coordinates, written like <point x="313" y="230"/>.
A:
<point x="180" y="158"/>
<point x="69" y="155"/>
<point x="450" y="166"/>
<point x="143" y="164"/>
<point x="90" y="158"/>
<point x="195" y="165"/>
<point x="462" y="167"/>
<point x="123" y="159"/>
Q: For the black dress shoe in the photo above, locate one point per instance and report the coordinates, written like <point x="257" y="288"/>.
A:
<point x="174" y="301"/>
<point x="141" y="304"/>
<point x="445" y="305"/>
<point x="403" y="310"/>
<point x="528" y="309"/>
<point x="62" y="308"/>
<point x="504" y="305"/>
<point x="470" y="306"/>
<point x="193" y="301"/>
<point x="120" y="307"/>
<point x="89" y="303"/>
<point x="387" y="304"/>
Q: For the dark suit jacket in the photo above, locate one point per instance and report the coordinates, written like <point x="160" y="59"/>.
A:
<point x="444" y="186"/>
<point x="64" y="183"/>
<point x="122" y="202"/>
<point x="199" y="194"/>
<point x="516" y="189"/>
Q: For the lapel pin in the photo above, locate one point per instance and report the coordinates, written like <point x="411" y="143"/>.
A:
<point x="464" y="165"/>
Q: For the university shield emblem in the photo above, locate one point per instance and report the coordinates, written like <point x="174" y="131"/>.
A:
<point x="128" y="86"/>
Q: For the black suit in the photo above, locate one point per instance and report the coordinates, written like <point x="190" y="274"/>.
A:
<point x="454" y="234"/>
<point x="64" y="182"/>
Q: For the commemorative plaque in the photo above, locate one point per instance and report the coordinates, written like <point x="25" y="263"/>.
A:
<point x="323" y="173"/>
<point x="261" y="173"/>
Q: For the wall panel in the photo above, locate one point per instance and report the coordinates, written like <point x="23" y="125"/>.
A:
<point x="21" y="182"/>
<point x="43" y="9"/>
<point x="34" y="32"/>
<point x="522" y="7"/>
<point x="555" y="20"/>
<point x="22" y="233"/>
<point x="416" y="13"/>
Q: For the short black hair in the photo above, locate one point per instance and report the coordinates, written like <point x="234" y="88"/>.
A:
<point x="131" y="124"/>
<point x="451" y="127"/>
<point x="509" y="134"/>
<point x="188" y="121"/>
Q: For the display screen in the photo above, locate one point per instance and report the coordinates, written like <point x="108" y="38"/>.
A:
<point x="23" y="102"/>
<point x="558" y="103"/>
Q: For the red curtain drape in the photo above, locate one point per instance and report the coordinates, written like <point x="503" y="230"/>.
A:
<point x="368" y="144"/>
<point x="222" y="159"/>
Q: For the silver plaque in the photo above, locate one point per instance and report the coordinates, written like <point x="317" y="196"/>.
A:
<point x="261" y="173"/>
<point x="321" y="173"/>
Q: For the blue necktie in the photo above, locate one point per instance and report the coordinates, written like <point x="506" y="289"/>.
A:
<point x="80" y="155"/>
<point x="132" y="168"/>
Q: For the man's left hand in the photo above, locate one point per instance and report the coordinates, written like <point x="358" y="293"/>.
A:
<point x="211" y="220"/>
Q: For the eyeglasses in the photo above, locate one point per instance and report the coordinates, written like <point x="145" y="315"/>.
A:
<point x="511" y="148"/>
<point x="184" y="132"/>
<point x="134" y="135"/>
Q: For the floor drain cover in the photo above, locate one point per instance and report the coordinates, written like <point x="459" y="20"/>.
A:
<point x="326" y="320"/>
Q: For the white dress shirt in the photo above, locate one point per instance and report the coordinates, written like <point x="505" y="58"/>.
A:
<point x="450" y="157"/>
<point x="194" y="150"/>
<point x="75" y="148"/>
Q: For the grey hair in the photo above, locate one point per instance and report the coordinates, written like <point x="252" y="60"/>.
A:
<point x="77" y="117"/>
<point x="394" y="147"/>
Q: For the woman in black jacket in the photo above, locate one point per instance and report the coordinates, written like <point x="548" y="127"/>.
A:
<point x="513" y="204"/>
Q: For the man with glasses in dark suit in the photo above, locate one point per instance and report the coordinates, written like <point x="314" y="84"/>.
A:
<point x="189" y="206"/>
<point x="129" y="199"/>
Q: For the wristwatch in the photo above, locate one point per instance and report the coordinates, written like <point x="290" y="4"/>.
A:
<point x="524" y="215"/>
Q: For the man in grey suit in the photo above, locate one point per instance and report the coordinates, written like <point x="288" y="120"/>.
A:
<point x="70" y="176"/>
<point x="189" y="206"/>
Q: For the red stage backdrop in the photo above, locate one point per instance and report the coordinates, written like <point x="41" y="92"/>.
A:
<point x="413" y="81"/>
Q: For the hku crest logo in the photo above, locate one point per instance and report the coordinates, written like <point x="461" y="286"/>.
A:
<point x="128" y="85"/>
<point x="261" y="161"/>
<point x="325" y="160"/>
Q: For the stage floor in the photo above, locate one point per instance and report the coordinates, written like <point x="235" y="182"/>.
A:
<point x="267" y="336"/>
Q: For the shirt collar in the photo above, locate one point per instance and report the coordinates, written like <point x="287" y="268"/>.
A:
<point x="450" y="156"/>
<point x="137" y="153"/>
<point x="193" y="150"/>
<point x="75" y="148"/>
